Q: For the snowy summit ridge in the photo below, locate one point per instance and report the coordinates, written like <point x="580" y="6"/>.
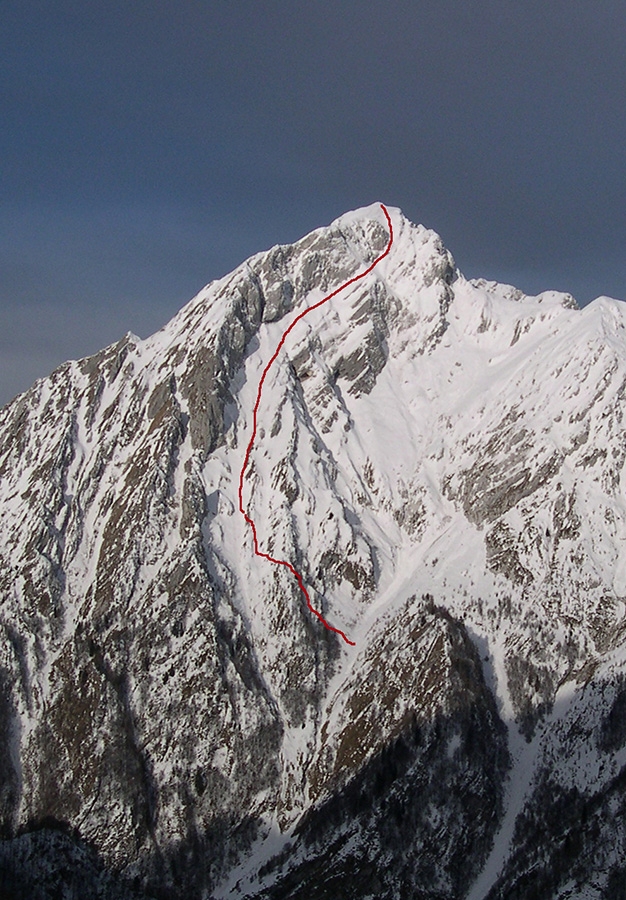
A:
<point x="442" y="460"/>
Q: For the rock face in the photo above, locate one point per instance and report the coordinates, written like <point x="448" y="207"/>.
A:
<point x="443" y="462"/>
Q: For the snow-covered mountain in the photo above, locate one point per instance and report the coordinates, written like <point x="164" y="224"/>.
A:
<point x="443" y="461"/>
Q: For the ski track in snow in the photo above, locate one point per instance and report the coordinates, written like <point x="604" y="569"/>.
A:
<point x="249" y="520"/>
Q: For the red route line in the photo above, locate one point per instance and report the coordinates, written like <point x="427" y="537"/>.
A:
<point x="283" y="562"/>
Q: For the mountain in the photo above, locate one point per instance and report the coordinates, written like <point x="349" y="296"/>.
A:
<point x="442" y="462"/>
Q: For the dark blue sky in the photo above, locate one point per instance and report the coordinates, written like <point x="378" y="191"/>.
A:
<point x="147" y="147"/>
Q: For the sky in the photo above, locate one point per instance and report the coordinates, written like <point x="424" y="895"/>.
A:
<point x="149" y="147"/>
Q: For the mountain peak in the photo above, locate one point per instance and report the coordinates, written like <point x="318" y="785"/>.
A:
<point x="442" y="461"/>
